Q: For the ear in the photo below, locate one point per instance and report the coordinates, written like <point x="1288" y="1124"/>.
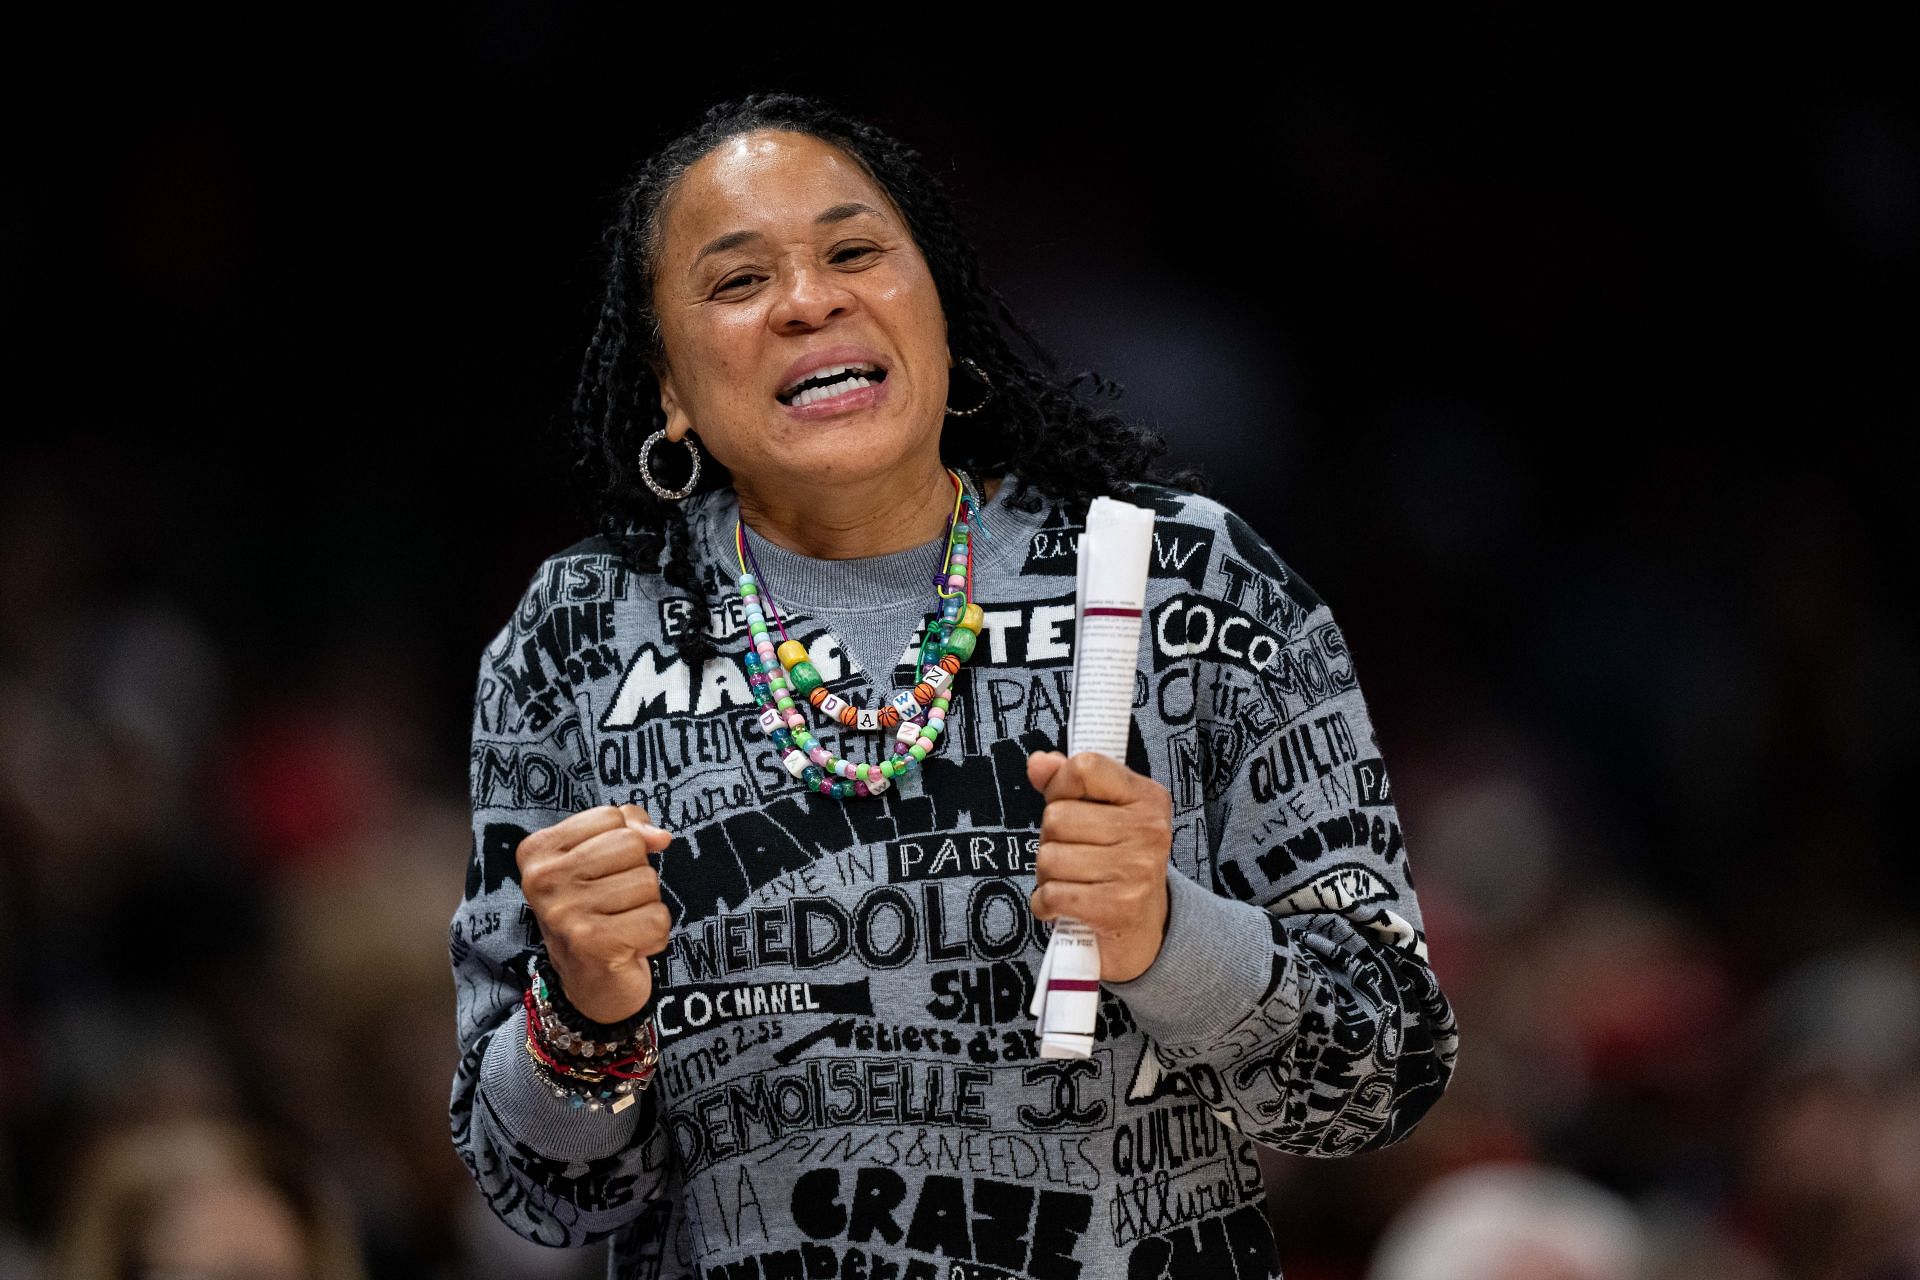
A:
<point x="678" y="423"/>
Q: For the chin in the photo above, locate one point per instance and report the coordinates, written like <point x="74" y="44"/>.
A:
<point x="840" y="450"/>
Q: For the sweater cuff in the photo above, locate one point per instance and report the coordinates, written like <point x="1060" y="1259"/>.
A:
<point x="533" y="1117"/>
<point x="1212" y="971"/>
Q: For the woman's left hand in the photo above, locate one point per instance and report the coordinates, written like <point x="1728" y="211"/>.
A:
<point x="1105" y="837"/>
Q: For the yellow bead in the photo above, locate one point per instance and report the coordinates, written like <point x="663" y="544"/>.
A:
<point x="971" y="618"/>
<point x="790" y="652"/>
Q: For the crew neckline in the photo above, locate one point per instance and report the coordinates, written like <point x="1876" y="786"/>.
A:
<point x="868" y="582"/>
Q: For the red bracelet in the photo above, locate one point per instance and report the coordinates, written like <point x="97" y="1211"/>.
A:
<point x="583" y="1071"/>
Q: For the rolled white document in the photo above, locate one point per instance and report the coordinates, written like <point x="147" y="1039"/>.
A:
<point x="1114" y="550"/>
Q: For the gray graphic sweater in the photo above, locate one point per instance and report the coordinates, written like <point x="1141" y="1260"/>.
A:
<point x="850" y="1085"/>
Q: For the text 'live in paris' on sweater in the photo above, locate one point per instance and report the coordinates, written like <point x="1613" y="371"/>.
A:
<point x="850" y="1086"/>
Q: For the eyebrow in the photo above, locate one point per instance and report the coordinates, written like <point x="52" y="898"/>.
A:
<point x="837" y="213"/>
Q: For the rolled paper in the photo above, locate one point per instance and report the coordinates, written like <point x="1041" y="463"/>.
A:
<point x="1112" y="593"/>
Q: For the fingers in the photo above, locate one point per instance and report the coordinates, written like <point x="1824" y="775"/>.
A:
<point x="1041" y="766"/>
<point x="571" y="830"/>
<point x="1083" y="822"/>
<point x="598" y="945"/>
<point x="1107" y="909"/>
<point x="646" y="928"/>
<point x="1081" y="863"/>
<point x="1088" y="775"/>
<point x="587" y="823"/>
<point x="625" y="891"/>
<point x="614" y="851"/>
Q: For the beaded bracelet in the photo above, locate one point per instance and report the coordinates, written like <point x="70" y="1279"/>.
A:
<point x="586" y="1095"/>
<point x="642" y="1062"/>
<point x="564" y="1039"/>
<point x="547" y="989"/>
<point x="567" y="1060"/>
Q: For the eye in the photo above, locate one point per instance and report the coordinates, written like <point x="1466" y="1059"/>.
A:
<point x="852" y="251"/>
<point x="733" y="281"/>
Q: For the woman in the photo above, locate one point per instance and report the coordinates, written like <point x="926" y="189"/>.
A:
<point x="765" y="773"/>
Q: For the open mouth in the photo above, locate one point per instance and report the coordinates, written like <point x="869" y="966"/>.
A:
<point x="825" y="384"/>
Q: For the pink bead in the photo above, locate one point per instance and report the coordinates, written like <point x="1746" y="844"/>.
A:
<point x="956" y="579"/>
<point x="820" y="757"/>
<point x="795" y="720"/>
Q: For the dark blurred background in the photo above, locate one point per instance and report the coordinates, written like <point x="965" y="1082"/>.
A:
<point x="1572" y="367"/>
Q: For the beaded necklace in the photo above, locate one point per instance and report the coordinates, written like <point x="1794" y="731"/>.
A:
<point x="781" y="677"/>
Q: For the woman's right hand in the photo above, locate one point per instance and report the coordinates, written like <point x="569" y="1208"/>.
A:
<point x="598" y="905"/>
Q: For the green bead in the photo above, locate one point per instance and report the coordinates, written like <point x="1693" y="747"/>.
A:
<point x="918" y="751"/>
<point x="785" y="703"/>
<point x="843" y="790"/>
<point x="805" y="676"/>
<point x="960" y="643"/>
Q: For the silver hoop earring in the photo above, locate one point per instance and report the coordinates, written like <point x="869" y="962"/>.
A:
<point x="981" y="374"/>
<point x="646" y="469"/>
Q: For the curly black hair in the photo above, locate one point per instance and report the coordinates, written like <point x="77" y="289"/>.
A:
<point x="1036" y="428"/>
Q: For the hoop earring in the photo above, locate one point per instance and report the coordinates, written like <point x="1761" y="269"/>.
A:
<point x="981" y="374"/>
<point x="646" y="469"/>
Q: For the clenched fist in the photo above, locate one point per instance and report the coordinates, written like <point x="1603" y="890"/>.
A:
<point x="1105" y="837"/>
<point x="598" y="905"/>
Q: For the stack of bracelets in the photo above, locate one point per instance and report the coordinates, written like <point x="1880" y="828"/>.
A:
<point x="591" y="1065"/>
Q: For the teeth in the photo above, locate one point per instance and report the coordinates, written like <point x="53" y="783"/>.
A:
<point x="831" y="370"/>
<point x="832" y="389"/>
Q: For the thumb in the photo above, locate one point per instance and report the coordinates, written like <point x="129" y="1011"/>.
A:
<point x="1041" y="766"/>
<point x="638" y="819"/>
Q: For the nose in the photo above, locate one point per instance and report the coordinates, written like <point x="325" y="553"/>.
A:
<point x="808" y="299"/>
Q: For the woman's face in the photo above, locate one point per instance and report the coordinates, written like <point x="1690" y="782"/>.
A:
<point x="781" y="257"/>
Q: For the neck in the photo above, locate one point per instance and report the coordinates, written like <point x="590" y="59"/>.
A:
<point x="865" y="518"/>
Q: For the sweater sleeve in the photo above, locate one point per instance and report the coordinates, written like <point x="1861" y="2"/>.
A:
<point x="1293" y="992"/>
<point x="555" y="1174"/>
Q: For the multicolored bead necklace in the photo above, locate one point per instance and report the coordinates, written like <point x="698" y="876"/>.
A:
<point x="781" y="677"/>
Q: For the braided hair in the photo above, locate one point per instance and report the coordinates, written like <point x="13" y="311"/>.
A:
<point x="1035" y="427"/>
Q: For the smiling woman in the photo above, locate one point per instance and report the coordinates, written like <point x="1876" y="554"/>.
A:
<point x="741" y="988"/>
<point x="782" y="264"/>
<point x="732" y="247"/>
